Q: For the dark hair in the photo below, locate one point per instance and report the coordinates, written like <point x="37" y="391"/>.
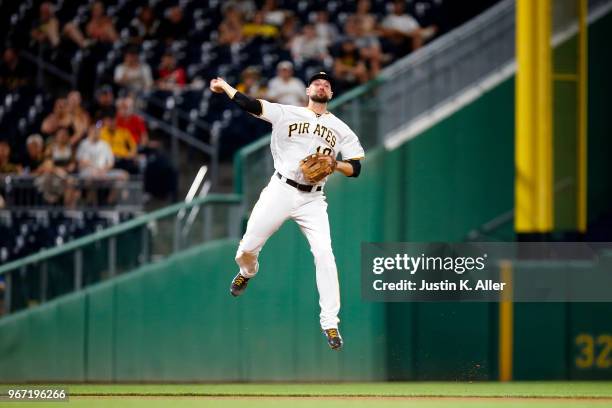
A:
<point x="132" y="49"/>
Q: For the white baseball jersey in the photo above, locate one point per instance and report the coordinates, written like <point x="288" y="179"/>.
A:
<point x="298" y="132"/>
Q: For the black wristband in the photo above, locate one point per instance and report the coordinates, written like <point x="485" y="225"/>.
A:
<point x="247" y="103"/>
<point x="356" y="167"/>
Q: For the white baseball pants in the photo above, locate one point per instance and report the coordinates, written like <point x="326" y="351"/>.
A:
<point x="278" y="202"/>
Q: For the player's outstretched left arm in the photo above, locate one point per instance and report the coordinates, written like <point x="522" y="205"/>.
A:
<point x="218" y="85"/>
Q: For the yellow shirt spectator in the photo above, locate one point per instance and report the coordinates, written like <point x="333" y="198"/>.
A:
<point x="120" y="140"/>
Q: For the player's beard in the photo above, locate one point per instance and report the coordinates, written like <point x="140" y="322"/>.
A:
<point x="319" y="99"/>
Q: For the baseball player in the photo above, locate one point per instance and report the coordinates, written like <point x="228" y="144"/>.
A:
<point x="305" y="142"/>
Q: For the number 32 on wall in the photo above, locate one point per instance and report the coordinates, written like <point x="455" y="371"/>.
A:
<point x="594" y="351"/>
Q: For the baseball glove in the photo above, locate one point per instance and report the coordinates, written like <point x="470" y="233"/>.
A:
<point x="317" y="166"/>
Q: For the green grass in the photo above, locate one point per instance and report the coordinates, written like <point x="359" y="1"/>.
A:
<point x="353" y="395"/>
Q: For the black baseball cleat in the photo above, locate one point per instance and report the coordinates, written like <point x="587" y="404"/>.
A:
<point x="333" y="338"/>
<point x="239" y="284"/>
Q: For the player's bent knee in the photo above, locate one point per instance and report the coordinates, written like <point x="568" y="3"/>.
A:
<point x="246" y="257"/>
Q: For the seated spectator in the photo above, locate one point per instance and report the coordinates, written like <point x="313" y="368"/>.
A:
<point x="403" y="31"/>
<point x="285" y="88"/>
<point x="56" y="182"/>
<point x="104" y="102"/>
<point x="13" y="73"/>
<point x="46" y="29"/>
<point x="326" y="31"/>
<point x="251" y="83"/>
<point x="95" y="158"/>
<point x="6" y="166"/>
<point x="170" y="77"/>
<point x="99" y="29"/>
<point x="173" y="27"/>
<point x="367" y="20"/>
<point x="230" y="29"/>
<point x="369" y="47"/>
<point x="121" y="143"/>
<point x="34" y="162"/>
<point x="68" y="113"/>
<point x="289" y="29"/>
<point x="95" y="161"/>
<point x="59" y="151"/>
<point x="132" y="74"/>
<point x="245" y="7"/>
<point x="259" y="28"/>
<point x="308" y="46"/>
<point x="349" y="69"/>
<point x="273" y="15"/>
<point x="57" y="118"/>
<point x="127" y="119"/>
<point x="144" y="26"/>
<point x="78" y="117"/>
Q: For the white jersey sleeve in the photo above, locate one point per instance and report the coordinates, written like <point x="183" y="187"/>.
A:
<point x="272" y="112"/>
<point x="350" y="147"/>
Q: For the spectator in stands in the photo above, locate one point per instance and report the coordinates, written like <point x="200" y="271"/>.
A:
<point x="127" y="119"/>
<point x="6" y="166"/>
<point x="326" y="31"/>
<point x="144" y="26"/>
<point x="308" y="46"/>
<point x="34" y="162"/>
<point x="289" y="29"/>
<point x="273" y="15"/>
<point x="13" y="73"/>
<point x="78" y="117"/>
<point x="95" y="157"/>
<point x="403" y="31"/>
<point x="173" y="27"/>
<point x="46" y="29"/>
<point x="230" y="29"/>
<point x="68" y="113"/>
<point x="122" y="144"/>
<point x="367" y="20"/>
<point x="100" y="27"/>
<point x="285" y="88"/>
<point x="170" y="77"/>
<point x="244" y="7"/>
<point x="59" y="151"/>
<point x="104" y="102"/>
<point x="57" y="118"/>
<point x="259" y="28"/>
<point x="349" y="69"/>
<point x="367" y="43"/>
<point x="132" y="74"/>
<point x="56" y="182"/>
<point x="95" y="160"/>
<point x="251" y="83"/>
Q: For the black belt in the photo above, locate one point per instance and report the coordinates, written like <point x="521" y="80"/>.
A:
<point x="302" y="187"/>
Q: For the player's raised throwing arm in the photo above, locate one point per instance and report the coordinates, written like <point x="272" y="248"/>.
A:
<point x="218" y="85"/>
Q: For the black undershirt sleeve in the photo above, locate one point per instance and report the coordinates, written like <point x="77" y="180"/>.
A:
<point x="356" y="167"/>
<point x="247" y="103"/>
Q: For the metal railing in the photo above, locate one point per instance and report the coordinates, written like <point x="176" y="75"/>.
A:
<point x="126" y="246"/>
<point x="444" y="68"/>
<point x="50" y="191"/>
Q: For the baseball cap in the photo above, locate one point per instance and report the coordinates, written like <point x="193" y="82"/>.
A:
<point x="321" y="75"/>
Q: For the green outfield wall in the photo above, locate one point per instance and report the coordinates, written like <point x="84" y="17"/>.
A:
<point x="175" y="320"/>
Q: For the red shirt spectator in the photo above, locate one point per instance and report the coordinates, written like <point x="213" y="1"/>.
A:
<point x="127" y="119"/>
<point x="171" y="76"/>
